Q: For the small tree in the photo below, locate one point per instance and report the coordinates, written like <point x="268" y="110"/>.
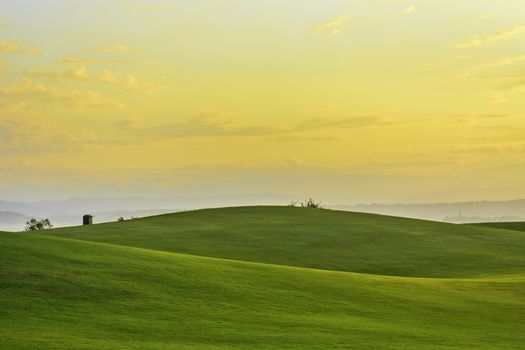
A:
<point x="37" y="225"/>
<point x="121" y="219"/>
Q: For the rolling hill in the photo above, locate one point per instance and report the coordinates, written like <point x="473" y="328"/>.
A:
<point x="255" y="278"/>
<point x="322" y="239"/>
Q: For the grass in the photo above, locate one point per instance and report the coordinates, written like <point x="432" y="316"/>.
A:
<point x="66" y="292"/>
<point x="322" y="239"/>
<point x="515" y="226"/>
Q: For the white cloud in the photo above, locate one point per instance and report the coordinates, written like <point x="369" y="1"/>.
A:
<point x="479" y="40"/>
<point x="333" y="25"/>
<point x="410" y="9"/>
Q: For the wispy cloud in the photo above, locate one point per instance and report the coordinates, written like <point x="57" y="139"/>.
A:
<point x="129" y="82"/>
<point x="132" y="123"/>
<point x="479" y="40"/>
<point x="218" y="126"/>
<point x="410" y="9"/>
<point x="86" y="61"/>
<point x="113" y="49"/>
<point x="23" y="131"/>
<point x="14" y="47"/>
<point x="501" y="62"/>
<point x="333" y="25"/>
<point x="477" y="117"/>
<point x="74" y="60"/>
<point x="29" y="92"/>
<point x="80" y="73"/>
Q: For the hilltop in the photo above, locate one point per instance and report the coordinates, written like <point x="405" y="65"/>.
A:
<point x="322" y="239"/>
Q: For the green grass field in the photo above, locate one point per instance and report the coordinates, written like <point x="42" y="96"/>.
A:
<point x="264" y="278"/>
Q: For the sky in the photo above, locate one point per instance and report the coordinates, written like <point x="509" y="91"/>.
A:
<point x="347" y="101"/>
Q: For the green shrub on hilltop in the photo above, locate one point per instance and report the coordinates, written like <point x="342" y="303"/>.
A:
<point x="310" y="203"/>
<point x="37" y="225"/>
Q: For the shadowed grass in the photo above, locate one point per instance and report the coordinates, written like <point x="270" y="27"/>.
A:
<point x="515" y="226"/>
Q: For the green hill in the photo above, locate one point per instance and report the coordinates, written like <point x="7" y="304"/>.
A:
<point x="322" y="239"/>
<point x="64" y="294"/>
<point x="142" y="290"/>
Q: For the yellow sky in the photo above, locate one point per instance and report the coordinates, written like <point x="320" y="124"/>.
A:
<point x="349" y="101"/>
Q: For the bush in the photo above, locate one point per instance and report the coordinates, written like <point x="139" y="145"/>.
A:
<point x="310" y="203"/>
<point x="37" y="225"/>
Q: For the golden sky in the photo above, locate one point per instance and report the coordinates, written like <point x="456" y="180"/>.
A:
<point x="348" y="101"/>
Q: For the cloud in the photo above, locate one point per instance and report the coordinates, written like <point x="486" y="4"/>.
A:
<point x="29" y="92"/>
<point x="113" y="49"/>
<point x="410" y="9"/>
<point x="505" y="82"/>
<point x="333" y="25"/>
<point x="345" y="123"/>
<point x="132" y="123"/>
<point x="210" y="126"/>
<point x="501" y="62"/>
<point x="71" y="73"/>
<point x="479" y="40"/>
<point x="505" y="85"/>
<point x="74" y="60"/>
<point x="219" y="126"/>
<point x="130" y="82"/>
<point x="23" y="131"/>
<point x="80" y="73"/>
<point x="476" y="117"/>
<point x="515" y="82"/>
<point x="13" y="47"/>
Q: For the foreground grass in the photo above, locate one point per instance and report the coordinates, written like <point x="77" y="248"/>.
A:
<point x="60" y="293"/>
<point x="322" y="239"/>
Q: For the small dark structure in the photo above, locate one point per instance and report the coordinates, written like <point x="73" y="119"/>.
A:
<point x="87" y="220"/>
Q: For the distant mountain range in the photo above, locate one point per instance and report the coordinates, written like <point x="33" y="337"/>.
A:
<point x="13" y="215"/>
<point x="16" y="222"/>
<point x="10" y="221"/>
<point x="463" y="212"/>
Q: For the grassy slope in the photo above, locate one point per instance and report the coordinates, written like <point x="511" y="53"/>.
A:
<point x="323" y="239"/>
<point x="515" y="226"/>
<point x="60" y="293"/>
